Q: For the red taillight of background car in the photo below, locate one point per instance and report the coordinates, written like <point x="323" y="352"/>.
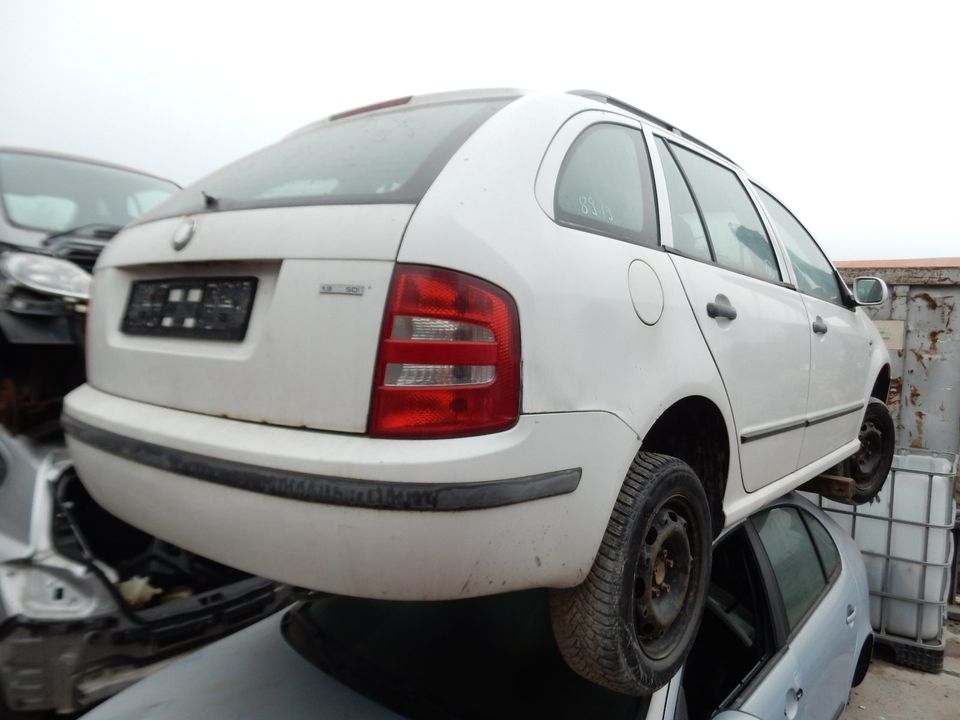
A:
<point x="449" y="358"/>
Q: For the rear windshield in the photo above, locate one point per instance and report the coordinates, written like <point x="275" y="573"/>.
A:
<point x="383" y="157"/>
<point x="54" y="194"/>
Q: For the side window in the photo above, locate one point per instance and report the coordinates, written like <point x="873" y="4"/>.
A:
<point x="733" y="225"/>
<point x="689" y="237"/>
<point x="814" y="273"/>
<point x="829" y="555"/>
<point x="795" y="562"/>
<point x="735" y="637"/>
<point x="606" y="186"/>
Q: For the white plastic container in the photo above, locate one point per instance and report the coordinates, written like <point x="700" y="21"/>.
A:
<point x="904" y="536"/>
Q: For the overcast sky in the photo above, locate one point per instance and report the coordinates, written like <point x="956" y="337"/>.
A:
<point x="847" y="110"/>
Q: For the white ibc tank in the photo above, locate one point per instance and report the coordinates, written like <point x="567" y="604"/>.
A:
<point x="904" y="536"/>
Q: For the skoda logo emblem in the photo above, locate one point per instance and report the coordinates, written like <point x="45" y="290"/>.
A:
<point x="183" y="234"/>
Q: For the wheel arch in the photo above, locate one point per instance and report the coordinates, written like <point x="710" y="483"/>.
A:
<point x="707" y="451"/>
<point x="881" y="386"/>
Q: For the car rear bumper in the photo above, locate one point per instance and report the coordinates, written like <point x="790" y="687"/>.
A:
<point x="402" y="519"/>
<point x="311" y="487"/>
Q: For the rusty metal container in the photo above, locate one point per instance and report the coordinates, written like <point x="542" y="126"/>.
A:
<point x="921" y="325"/>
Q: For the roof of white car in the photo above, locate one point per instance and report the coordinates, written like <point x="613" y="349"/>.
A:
<point x="492" y="93"/>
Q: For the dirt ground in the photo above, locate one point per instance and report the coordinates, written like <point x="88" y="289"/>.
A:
<point x="895" y="693"/>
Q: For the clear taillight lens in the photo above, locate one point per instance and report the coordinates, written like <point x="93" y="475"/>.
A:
<point x="449" y="359"/>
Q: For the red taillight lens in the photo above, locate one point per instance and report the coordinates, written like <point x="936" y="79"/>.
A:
<point x="449" y="360"/>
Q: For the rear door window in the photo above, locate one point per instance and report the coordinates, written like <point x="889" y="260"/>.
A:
<point x="733" y="224"/>
<point x="606" y="186"/>
<point x="689" y="237"/>
<point x="389" y="156"/>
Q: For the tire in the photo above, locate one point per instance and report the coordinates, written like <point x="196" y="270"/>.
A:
<point x="871" y="465"/>
<point x="863" y="662"/>
<point x="630" y="625"/>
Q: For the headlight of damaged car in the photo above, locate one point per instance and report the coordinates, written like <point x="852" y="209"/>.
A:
<point x="46" y="274"/>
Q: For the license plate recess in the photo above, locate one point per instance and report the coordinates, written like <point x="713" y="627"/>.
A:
<point x="204" y="308"/>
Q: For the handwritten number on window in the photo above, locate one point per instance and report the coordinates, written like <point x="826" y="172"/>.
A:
<point x="591" y="208"/>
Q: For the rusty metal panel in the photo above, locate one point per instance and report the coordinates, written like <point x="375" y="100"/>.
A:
<point x="925" y="372"/>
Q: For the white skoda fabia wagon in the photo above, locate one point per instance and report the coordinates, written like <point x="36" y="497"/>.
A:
<point x="470" y="343"/>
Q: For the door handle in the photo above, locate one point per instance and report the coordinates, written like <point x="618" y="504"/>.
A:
<point x="792" y="708"/>
<point x="819" y="326"/>
<point x="716" y="309"/>
<point x="851" y="615"/>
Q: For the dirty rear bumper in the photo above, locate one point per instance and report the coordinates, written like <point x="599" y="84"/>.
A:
<point x="310" y="487"/>
<point x="352" y="515"/>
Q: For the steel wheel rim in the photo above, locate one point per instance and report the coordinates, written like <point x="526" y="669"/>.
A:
<point x="870" y="454"/>
<point x="663" y="579"/>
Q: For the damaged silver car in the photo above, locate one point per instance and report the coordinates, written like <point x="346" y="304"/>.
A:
<point x="88" y="604"/>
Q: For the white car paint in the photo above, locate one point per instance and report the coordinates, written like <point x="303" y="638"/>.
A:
<point x="598" y="370"/>
<point x="361" y="551"/>
<point x="764" y="359"/>
<point x="344" y="244"/>
<point x="840" y="359"/>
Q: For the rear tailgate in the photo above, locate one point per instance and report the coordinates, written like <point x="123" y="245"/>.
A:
<point x="307" y="355"/>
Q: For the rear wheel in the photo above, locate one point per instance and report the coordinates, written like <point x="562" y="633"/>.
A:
<point x="863" y="662"/>
<point x="871" y="465"/>
<point x="630" y="625"/>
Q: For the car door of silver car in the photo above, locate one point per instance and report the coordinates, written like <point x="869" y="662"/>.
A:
<point x="739" y="658"/>
<point x="819" y="603"/>
<point x="775" y="640"/>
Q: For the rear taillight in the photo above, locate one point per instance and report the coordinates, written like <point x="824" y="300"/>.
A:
<point x="449" y="359"/>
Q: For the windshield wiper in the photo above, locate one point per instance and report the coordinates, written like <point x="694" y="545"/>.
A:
<point x="99" y="230"/>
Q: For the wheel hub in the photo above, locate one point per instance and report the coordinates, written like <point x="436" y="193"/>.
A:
<point x="870" y="455"/>
<point x="660" y="567"/>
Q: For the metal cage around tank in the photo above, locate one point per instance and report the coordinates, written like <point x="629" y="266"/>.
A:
<point x="905" y="538"/>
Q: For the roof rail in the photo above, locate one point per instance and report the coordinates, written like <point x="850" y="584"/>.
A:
<point x="609" y="100"/>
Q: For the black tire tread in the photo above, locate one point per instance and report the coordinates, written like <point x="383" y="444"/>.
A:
<point x="586" y="618"/>
<point x="862" y="496"/>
